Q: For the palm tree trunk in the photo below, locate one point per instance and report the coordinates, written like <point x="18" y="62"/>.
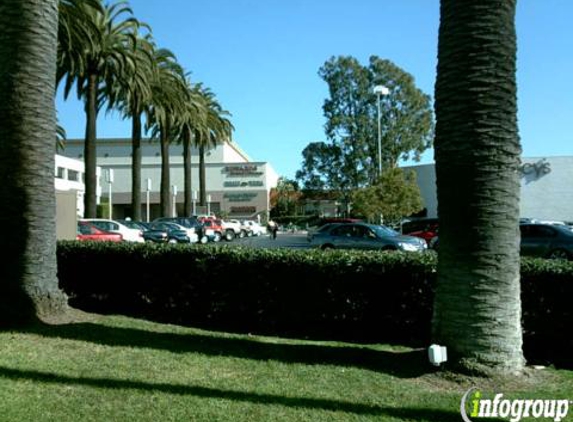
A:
<point x="202" y="188"/>
<point x="90" y="200"/>
<point x="477" y="308"/>
<point x="188" y="208"/>
<point x="136" y="166"/>
<point x="28" y="273"/>
<point x="164" y="194"/>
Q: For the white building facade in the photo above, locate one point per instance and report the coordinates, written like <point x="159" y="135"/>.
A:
<point x="235" y="185"/>
<point x="546" y="188"/>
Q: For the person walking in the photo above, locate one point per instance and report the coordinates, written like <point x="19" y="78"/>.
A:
<point x="272" y="227"/>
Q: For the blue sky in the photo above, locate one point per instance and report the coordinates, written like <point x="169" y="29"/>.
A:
<point x="261" y="58"/>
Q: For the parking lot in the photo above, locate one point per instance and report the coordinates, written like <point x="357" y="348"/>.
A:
<point x="295" y="240"/>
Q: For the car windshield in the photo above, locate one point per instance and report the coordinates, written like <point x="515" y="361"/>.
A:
<point x="383" y="231"/>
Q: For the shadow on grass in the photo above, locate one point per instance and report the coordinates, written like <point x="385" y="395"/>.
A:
<point x="409" y="364"/>
<point x="428" y="415"/>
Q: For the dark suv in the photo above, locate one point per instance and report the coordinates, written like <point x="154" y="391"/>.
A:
<point x="188" y="222"/>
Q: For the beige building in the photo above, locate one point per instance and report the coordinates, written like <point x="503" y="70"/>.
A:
<point x="234" y="184"/>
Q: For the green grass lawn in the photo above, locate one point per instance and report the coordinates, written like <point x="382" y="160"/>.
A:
<point x="121" y="369"/>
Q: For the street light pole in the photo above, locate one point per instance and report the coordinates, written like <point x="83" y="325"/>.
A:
<point x="380" y="90"/>
<point x="174" y="189"/>
<point x="148" y="192"/>
<point x="110" y="182"/>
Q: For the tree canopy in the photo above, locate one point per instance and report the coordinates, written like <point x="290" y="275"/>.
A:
<point x="348" y="159"/>
<point x="395" y="194"/>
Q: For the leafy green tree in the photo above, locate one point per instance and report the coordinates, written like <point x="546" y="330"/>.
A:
<point x="94" y="65"/>
<point x="477" y="310"/>
<point x="348" y="160"/>
<point x="284" y="198"/>
<point x="28" y="273"/>
<point x="394" y="195"/>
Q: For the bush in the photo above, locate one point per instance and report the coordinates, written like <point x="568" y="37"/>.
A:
<point x="351" y="296"/>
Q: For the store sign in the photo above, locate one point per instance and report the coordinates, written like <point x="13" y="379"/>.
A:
<point x="242" y="184"/>
<point x="538" y="169"/>
<point x="242" y="170"/>
<point x="243" y="210"/>
<point x="240" y="197"/>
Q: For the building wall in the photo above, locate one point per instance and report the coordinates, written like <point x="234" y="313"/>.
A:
<point x="546" y="188"/>
<point x="69" y="175"/>
<point x="234" y="183"/>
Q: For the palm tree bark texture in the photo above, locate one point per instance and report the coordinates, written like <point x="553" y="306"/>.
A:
<point x="28" y="270"/>
<point x="477" y="309"/>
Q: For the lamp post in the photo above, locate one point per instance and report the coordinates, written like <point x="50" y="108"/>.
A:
<point x="174" y="190"/>
<point x="194" y="198"/>
<point x="380" y="90"/>
<point x="148" y="191"/>
<point x="110" y="182"/>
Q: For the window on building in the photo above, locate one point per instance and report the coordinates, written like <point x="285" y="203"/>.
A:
<point x="60" y="171"/>
<point x="73" y="175"/>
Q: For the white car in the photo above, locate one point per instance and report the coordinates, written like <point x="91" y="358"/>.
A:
<point x="255" y="227"/>
<point x="129" y="235"/>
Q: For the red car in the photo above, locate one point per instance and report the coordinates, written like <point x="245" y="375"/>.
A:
<point x="87" y="231"/>
<point x="426" y="229"/>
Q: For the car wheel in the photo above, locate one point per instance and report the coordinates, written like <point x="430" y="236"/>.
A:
<point x="242" y="234"/>
<point x="172" y="241"/>
<point x="558" y="254"/>
<point x="217" y="237"/>
<point x="204" y="239"/>
<point x="229" y="235"/>
<point x="327" y="247"/>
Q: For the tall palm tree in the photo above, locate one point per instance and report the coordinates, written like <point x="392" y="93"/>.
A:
<point x="216" y="129"/>
<point x="132" y="95"/>
<point x="28" y="273"/>
<point x="169" y="96"/>
<point x="106" y="56"/>
<point x="477" y="307"/>
<point x="193" y="118"/>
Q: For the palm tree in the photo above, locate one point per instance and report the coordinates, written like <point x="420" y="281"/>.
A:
<point x="132" y="95"/>
<point x="477" y="306"/>
<point x="192" y="119"/>
<point x="169" y="96"/>
<point x="28" y="274"/>
<point x="105" y="56"/>
<point x="216" y="129"/>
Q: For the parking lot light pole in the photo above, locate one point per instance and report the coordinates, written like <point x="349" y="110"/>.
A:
<point x="194" y="197"/>
<point x="148" y="191"/>
<point x="380" y="90"/>
<point x="174" y="190"/>
<point x="110" y="182"/>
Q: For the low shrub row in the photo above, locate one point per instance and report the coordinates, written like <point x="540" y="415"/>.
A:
<point x="351" y="296"/>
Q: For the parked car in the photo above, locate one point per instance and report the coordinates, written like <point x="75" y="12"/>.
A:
<point x="553" y="241"/>
<point x="87" y="231"/>
<point x="190" y="223"/>
<point x="151" y="234"/>
<point x="175" y="232"/>
<point x="214" y="227"/>
<point x="365" y="236"/>
<point x="255" y="228"/>
<point x="129" y="235"/>
<point x="231" y="229"/>
<point x="426" y="229"/>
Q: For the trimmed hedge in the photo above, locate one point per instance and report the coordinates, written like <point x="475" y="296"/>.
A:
<point x="350" y="296"/>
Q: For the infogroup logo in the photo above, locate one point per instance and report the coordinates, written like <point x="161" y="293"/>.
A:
<point x="476" y="406"/>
